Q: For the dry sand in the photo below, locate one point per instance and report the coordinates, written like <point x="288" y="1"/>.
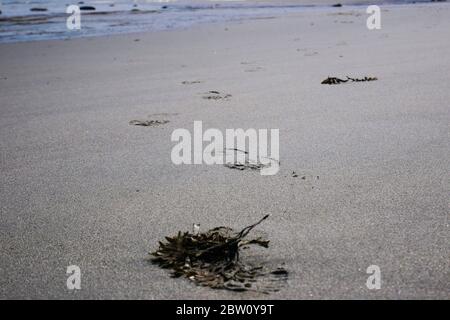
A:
<point x="81" y="186"/>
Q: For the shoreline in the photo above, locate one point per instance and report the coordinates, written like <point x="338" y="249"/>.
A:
<point x="128" y="22"/>
<point x="81" y="186"/>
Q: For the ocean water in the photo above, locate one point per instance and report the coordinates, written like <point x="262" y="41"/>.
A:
<point x="19" y="23"/>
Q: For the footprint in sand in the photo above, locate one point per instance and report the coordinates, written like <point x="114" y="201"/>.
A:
<point x="148" y="123"/>
<point x="247" y="164"/>
<point x="251" y="66"/>
<point x="310" y="54"/>
<point x="191" y="82"/>
<point x="254" y="69"/>
<point x="153" y="122"/>
<point x="243" y="166"/>
<point x="216" y="95"/>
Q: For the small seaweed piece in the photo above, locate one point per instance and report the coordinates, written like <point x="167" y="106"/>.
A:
<point x="333" y="80"/>
<point x="245" y="165"/>
<point x="363" y="79"/>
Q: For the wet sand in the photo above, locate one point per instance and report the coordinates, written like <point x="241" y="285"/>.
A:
<point x="81" y="186"/>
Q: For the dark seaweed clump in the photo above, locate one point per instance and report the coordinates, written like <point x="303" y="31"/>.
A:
<point x="212" y="259"/>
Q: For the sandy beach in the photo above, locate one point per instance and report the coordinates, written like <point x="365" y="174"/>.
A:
<point x="81" y="186"/>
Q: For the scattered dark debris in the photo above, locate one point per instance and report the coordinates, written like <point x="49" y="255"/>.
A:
<point x="333" y="80"/>
<point x="303" y="177"/>
<point x="137" y="40"/>
<point x="337" y="5"/>
<point x="212" y="259"/>
<point x="148" y="123"/>
<point x="216" y="95"/>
